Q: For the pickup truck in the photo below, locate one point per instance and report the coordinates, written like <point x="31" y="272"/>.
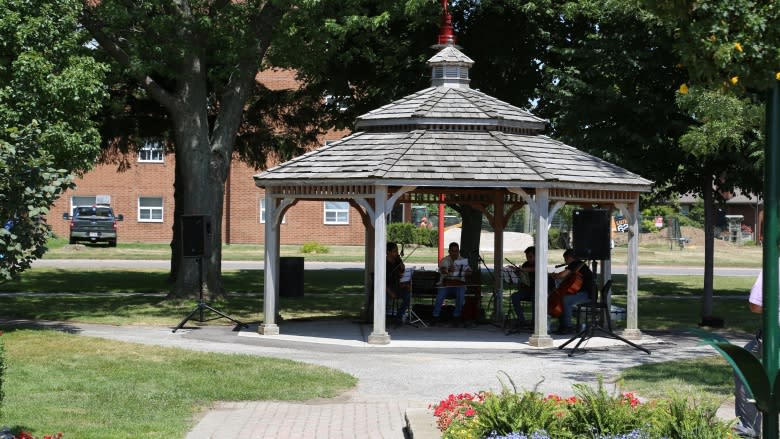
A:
<point x="95" y="223"/>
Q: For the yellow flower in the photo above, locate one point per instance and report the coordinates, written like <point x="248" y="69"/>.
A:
<point x="734" y="80"/>
<point x="738" y="47"/>
<point x="777" y="76"/>
<point x="684" y="88"/>
<point x="713" y="38"/>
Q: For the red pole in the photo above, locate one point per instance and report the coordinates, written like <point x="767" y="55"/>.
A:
<point x="441" y="226"/>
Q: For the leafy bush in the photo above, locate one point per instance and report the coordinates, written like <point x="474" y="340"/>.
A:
<point x="401" y="233"/>
<point x="591" y="413"/>
<point x="314" y="248"/>
<point x="426" y="237"/>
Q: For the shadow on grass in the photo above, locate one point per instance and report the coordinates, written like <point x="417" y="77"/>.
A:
<point x="710" y="374"/>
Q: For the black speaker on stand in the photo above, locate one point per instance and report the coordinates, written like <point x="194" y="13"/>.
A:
<point x="591" y="234"/>
<point x="196" y="234"/>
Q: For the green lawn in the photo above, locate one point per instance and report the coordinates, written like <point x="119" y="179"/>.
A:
<point x="94" y="388"/>
<point x="104" y="389"/>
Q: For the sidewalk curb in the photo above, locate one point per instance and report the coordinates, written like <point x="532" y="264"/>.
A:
<point x="420" y="424"/>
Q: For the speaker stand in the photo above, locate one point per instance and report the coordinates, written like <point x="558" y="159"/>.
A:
<point x="203" y="306"/>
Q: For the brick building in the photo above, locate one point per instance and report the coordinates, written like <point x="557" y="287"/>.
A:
<point x="144" y="195"/>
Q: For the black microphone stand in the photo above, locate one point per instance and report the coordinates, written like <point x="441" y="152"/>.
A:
<point x="493" y="297"/>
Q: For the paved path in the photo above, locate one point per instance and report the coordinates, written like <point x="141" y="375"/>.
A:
<point x="420" y="366"/>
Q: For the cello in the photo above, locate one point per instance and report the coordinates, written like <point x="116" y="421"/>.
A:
<point x="571" y="285"/>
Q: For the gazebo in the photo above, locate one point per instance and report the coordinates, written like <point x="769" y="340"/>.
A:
<point x="450" y="144"/>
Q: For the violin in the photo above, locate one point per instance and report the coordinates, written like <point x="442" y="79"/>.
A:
<point x="570" y="285"/>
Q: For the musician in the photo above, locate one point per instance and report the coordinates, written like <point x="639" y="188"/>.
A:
<point x="453" y="283"/>
<point x="525" y="291"/>
<point x="393" y="287"/>
<point x="573" y="266"/>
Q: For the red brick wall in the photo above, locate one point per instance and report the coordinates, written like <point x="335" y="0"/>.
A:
<point x="240" y="224"/>
<point x="241" y="221"/>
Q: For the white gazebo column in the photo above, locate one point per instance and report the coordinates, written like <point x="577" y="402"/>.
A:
<point x="498" y="256"/>
<point x="540" y="337"/>
<point x="631" y="212"/>
<point x="379" y="335"/>
<point x="271" y="266"/>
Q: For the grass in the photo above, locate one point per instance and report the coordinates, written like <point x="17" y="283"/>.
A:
<point x="726" y="254"/>
<point x="94" y="388"/>
<point x="107" y="389"/>
<point x="710" y="377"/>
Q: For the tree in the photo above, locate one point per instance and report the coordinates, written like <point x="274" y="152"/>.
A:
<point x="194" y="59"/>
<point x="51" y="87"/>
<point x="735" y="46"/>
<point x="198" y="59"/>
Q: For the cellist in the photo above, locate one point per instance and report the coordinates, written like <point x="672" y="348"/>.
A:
<point x="572" y="287"/>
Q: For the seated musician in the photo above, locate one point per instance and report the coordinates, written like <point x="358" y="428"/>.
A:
<point x="393" y="286"/>
<point x="453" y="271"/>
<point x="572" y="287"/>
<point x="526" y="287"/>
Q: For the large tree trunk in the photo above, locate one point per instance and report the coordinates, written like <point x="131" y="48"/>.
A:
<point x="198" y="192"/>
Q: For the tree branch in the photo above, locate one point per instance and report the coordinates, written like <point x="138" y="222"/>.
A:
<point x="237" y="88"/>
<point x="113" y="48"/>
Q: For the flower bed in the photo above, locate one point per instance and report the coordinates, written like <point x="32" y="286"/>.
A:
<point x="590" y="413"/>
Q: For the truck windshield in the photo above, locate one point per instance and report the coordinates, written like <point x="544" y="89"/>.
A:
<point x="93" y="211"/>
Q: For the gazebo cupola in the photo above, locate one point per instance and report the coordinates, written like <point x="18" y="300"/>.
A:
<point x="449" y="67"/>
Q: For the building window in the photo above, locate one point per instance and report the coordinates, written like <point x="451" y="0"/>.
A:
<point x="336" y="212"/>
<point x="262" y="213"/>
<point x="151" y="151"/>
<point x="150" y="209"/>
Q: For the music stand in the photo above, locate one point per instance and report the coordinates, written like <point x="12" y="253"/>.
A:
<point x="494" y="298"/>
<point x="596" y="314"/>
<point x="413" y="318"/>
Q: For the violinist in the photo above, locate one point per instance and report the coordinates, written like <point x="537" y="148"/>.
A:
<point x="525" y="290"/>
<point x="395" y="290"/>
<point x="571" y="287"/>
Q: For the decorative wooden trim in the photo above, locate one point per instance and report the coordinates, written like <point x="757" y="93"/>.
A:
<point x="591" y="195"/>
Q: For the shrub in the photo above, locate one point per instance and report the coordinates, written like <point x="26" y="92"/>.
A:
<point x="684" y="418"/>
<point x="426" y="237"/>
<point x="401" y="233"/>
<point x="314" y="248"/>
<point x="596" y="412"/>
<point x="591" y="413"/>
<point x="510" y="411"/>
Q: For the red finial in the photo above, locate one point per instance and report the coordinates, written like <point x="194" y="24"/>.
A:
<point x="446" y="35"/>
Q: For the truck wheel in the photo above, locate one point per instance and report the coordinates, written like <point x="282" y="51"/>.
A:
<point x="72" y="241"/>
<point x="112" y="243"/>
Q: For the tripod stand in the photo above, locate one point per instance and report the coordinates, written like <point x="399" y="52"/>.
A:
<point x="202" y="305"/>
<point x="494" y="297"/>
<point x="596" y="315"/>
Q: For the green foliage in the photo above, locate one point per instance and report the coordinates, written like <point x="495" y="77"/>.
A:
<point x="510" y="411"/>
<point x="402" y="233"/>
<point x="601" y="413"/>
<point x="48" y="76"/>
<point x="592" y="412"/>
<point x="682" y="417"/>
<point x="722" y="39"/>
<point x="314" y="247"/>
<point x="426" y="237"/>
<point x="27" y="188"/>
<point x="50" y="88"/>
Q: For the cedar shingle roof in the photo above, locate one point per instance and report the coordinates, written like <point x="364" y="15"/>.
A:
<point x="452" y="136"/>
